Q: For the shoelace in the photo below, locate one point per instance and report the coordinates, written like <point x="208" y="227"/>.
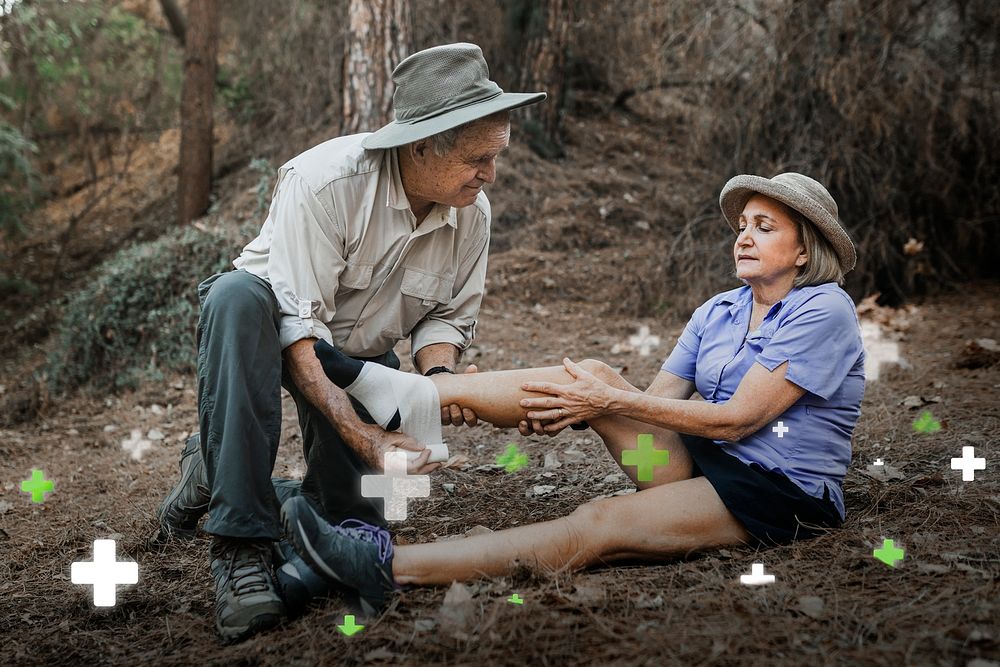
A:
<point x="380" y="537"/>
<point x="248" y="558"/>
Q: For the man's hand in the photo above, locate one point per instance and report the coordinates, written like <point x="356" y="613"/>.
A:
<point x="456" y="415"/>
<point x="537" y="427"/>
<point x="378" y="442"/>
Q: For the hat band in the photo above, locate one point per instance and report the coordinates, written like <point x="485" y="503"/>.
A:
<point x="454" y="107"/>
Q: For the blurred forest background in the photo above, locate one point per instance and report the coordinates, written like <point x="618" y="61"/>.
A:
<point x="894" y="105"/>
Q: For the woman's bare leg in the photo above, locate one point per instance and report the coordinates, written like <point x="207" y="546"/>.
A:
<point x="669" y="520"/>
<point x="495" y="397"/>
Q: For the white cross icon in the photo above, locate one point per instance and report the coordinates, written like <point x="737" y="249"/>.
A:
<point x="104" y="573"/>
<point x="756" y="576"/>
<point x="395" y="486"/>
<point x="780" y="429"/>
<point x="879" y="462"/>
<point x="968" y="463"/>
<point x="644" y="341"/>
<point x="136" y="445"/>
<point x="877" y="351"/>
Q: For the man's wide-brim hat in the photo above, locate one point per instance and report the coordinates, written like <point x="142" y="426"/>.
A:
<point x="441" y="88"/>
<point x="804" y="194"/>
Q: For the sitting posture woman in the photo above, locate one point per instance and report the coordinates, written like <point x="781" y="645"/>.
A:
<point x="761" y="460"/>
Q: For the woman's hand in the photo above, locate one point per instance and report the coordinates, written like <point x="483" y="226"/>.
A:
<point x="585" y="398"/>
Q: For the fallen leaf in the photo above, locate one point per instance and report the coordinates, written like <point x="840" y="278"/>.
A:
<point x="811" y="606"/>
<point x="912" y="247"/>
<point x="477" y="530"/>
<point x="883" y="473"/>
<point x="933" y="568"/>
<point x="587" y="595"/>
<point x="459" y="610"/>
<point x="424" y="624"/>
<point x="646" y="601"/>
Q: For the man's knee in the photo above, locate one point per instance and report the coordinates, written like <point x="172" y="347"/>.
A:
<point x="237" y="294"/>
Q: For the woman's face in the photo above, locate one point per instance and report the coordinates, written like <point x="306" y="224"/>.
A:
<point x="768" y="249"/>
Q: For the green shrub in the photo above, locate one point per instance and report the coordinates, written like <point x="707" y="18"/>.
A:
<point x="139" y="315"/>
<point x="18" y="178"/>
<point x="87" y="65"/>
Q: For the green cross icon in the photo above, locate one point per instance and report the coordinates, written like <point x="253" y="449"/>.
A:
<point x="37" y="486"/>
<point x="645" y="458"/>
<point x="926" y="423"/>
<point x="515" y="599"/>
<point x="512" y="460"/>
<point x="889" y="554"/>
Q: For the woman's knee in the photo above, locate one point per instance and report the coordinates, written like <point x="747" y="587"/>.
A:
<point x="600" y="370"/>
<point x="600" y="532"/>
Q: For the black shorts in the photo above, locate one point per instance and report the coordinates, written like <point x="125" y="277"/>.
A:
<point x="769" y="505"/>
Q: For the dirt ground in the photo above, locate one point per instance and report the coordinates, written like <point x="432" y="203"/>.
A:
<point x="568" y="241"/>
<point x="832" y="603"/>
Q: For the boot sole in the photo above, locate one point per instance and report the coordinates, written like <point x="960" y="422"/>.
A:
<point x="257" y="625"/>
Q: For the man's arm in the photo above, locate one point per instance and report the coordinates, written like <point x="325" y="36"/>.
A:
<point x="437" y="354"/>
<point x="369" y="441"/>
<point x="447" y="356"/>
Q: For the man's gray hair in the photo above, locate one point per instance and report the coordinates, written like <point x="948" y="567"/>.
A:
<point x="443" y="142"/>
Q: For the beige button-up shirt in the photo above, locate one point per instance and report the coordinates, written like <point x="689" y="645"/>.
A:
<point x="347" y="263"/>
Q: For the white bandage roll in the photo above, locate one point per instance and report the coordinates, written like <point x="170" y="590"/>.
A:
<point x="439" y="453"/>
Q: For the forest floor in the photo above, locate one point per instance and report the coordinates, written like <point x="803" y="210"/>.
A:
<point x="568" y="241"/>
<point x="832" y="602"/>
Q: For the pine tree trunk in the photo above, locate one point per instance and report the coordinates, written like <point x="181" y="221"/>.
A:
<point x="544" y="68"/>
<point x="379" y="37"/>
<point x="197" y="103"/>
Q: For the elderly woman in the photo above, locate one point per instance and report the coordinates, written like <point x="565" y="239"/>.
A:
<point x="760" y="460"/>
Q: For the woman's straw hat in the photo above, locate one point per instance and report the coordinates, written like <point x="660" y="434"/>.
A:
<point x="801" y="193"/>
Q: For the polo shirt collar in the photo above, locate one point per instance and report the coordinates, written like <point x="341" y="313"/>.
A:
<point x="744" y="299"/>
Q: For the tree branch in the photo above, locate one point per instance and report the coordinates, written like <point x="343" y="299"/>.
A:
<point x="175" y="17"/>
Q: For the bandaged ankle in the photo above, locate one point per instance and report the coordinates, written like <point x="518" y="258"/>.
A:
<point x="384" y="391"/>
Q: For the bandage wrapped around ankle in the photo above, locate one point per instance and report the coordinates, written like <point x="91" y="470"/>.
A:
<point x="386" y="392"/>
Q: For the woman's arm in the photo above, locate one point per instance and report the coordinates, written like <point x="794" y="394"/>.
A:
<point x="668" y="385"/>
<point x="761" y="397"/>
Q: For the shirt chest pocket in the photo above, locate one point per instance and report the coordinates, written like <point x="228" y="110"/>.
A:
<point x="422" y="292"/>
<point x="356" y="275"/>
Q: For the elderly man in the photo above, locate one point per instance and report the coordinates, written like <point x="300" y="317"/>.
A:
<point x="370" y="238"/>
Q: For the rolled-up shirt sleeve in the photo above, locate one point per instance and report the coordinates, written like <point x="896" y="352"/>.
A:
<point x="305" y="261"/>
<point x="821" y="341"/>
<point x="455" y="322"/>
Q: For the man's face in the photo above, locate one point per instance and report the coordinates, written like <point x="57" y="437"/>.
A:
<point x="456" y="178"/>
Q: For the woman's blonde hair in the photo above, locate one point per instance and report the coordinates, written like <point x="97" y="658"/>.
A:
<point x="822" y="264"/>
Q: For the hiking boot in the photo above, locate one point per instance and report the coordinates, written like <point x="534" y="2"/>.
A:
<point x="353" y="553"/>
<point x="246" y="600"/>
<point x="298" y="583"/>
<point x="187" y="502"/>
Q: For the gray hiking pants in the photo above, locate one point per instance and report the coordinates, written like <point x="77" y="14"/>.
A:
<point x="240" y="377"/>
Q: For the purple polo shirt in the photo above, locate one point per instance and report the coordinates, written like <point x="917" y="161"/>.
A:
<point x="816" y="330"/>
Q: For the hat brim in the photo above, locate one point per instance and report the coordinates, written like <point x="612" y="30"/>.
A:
<point x="738" y="191"/>
<point x="398" y="133"/>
